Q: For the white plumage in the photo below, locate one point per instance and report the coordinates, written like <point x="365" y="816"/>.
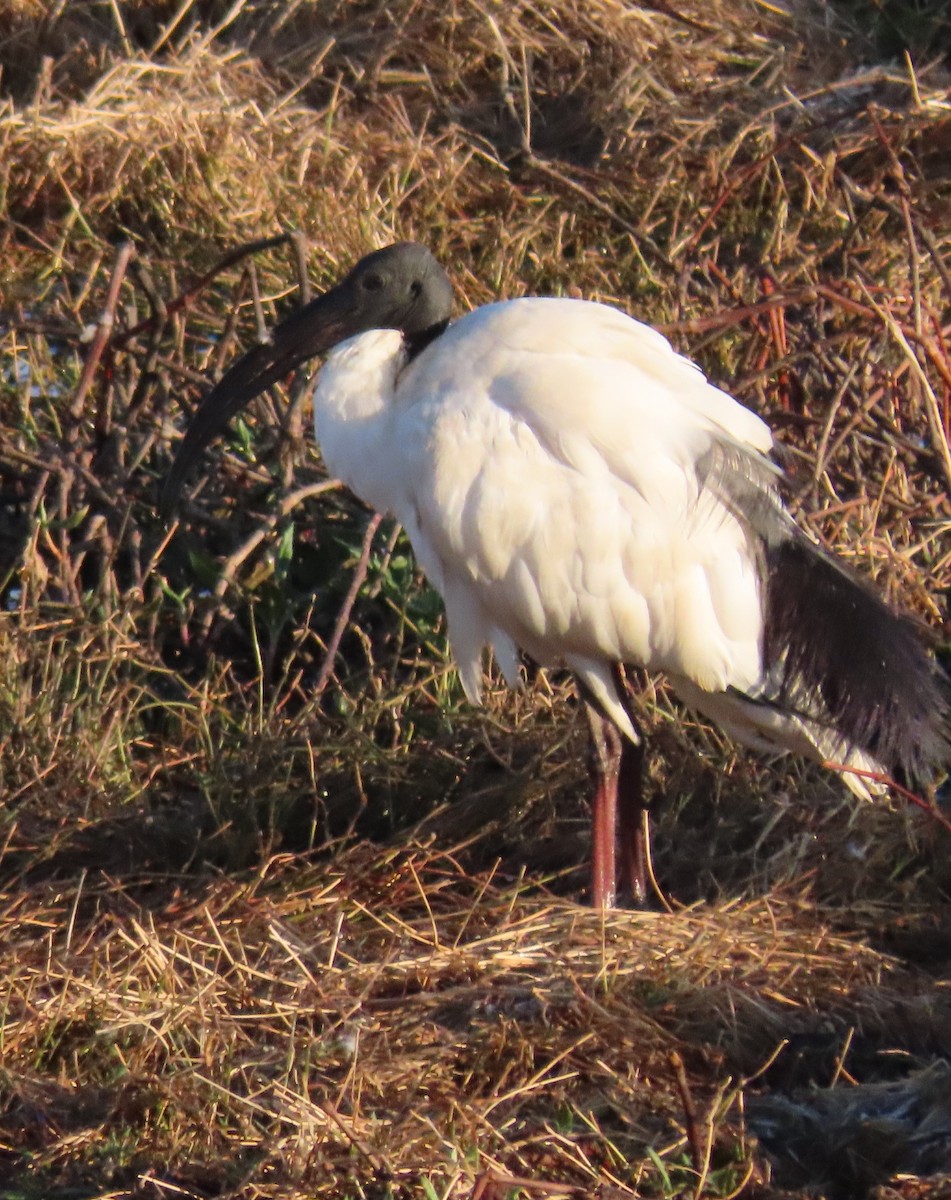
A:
<point x="578" y="491"/>
<point x="553" y="463"/>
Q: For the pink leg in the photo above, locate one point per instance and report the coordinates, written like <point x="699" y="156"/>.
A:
<point x="606" y="763"/>
<point x="617" y="766"/>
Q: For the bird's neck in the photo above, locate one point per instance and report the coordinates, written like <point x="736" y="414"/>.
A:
<point x="418" y="342"/>
<point x="352" y="411"/>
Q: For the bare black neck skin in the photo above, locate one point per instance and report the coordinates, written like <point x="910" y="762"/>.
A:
<point x="419" y="341"/>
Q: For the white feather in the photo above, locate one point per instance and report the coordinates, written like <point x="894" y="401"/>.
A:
<point x="551" y="462"/>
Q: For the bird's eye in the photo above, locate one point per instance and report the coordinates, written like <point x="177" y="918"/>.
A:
<point x="415" y="287"/>
<point x="372" y="283"/>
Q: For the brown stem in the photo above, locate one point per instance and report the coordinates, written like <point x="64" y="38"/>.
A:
<point x="103" y="329"/>
<point x="343" y="617"/>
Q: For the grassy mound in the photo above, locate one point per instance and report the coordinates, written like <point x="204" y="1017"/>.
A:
<point x="282" y="916"/>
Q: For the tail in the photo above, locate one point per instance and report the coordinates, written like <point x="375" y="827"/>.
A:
<point x="829" y="636"/>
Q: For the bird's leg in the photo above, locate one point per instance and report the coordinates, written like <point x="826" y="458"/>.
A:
<point x="606" y="757"/>
<point x="633" y="822"/>
<point x="619" y="814"/>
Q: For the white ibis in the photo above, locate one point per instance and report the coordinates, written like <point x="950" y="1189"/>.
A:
<point x="578" y="491"/>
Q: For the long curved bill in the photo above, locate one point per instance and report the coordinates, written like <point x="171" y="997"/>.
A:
<point x="312" y="330"/>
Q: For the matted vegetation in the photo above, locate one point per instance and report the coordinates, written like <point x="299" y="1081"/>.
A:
<point x="282" y="921"/>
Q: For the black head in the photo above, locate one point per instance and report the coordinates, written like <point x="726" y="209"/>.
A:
<point x="400" y="287"/>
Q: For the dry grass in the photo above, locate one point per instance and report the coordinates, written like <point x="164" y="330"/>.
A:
<point x="362" y="1027"/>
<point x="260" y="940"/>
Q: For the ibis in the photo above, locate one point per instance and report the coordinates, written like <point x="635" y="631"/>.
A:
<point x="580" y="493"/>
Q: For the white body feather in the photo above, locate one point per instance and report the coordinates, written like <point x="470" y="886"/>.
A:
<point x="554" y="463"/>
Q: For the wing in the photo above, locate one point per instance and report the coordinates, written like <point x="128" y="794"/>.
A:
<point x="579" y="490"/>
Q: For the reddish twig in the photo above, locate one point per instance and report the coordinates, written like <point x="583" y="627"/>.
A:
<point x="905" y="793"/>
<point x="731" y="188"/>
<point x="492" y="1186"/>
<point x="343" y="617"/>
<point x="103" y="329"/>
<point x="941" y="349"/>
<point x="184" y="298"/>
<point x="740" y="313"/>
<point x="777" y="332"/>
<point x="691" y="1126"/>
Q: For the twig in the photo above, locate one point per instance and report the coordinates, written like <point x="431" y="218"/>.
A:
<point x="639" y="237"/>
<point x="863" y="310"/>
<point x="777" y="332"/>
<point x="234" y="560"/>
<point x="698" y="1157"/>
<point x="343" y="617"/>
<point x="843" y="1054"/>
<point x="649" y="863"/>
<point x="492" y="1186"/>
<point x="226" y="341"/>
<point x="183" y="299"/>
<point x="256" y="300"/>
<point x="905" y="793"/>
<point x="299" y="242"/>
<point x="734" y="185"/>
<point x="932" y="407"/>
<point x="737" y="315"/>
<point x="822" y="447"/>
<point x="890" y="206"/>
<point x="103" y="329"/>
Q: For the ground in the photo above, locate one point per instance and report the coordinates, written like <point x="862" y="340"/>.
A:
<point x="280" y="914"/>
